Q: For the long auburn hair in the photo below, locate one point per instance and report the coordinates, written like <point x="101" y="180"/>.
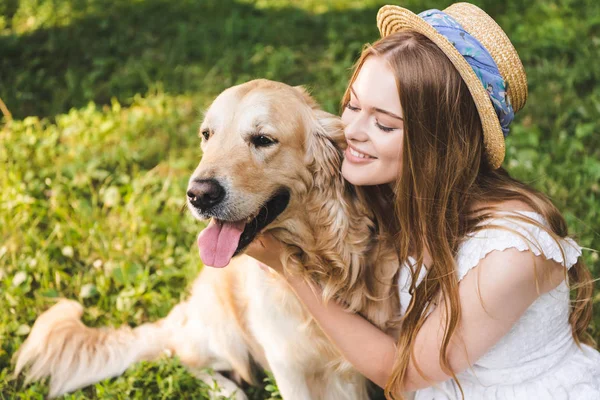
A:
<point x="444" y="178"/>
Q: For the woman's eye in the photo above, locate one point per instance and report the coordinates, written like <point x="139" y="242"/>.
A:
<point x="205" y="134"/>
<point x="351" y="107"/>
<point x="384" y="128"/>
<point x="262" y="141"/>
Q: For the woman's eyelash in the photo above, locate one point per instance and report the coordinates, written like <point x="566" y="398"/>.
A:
<point x="384" y="128"/>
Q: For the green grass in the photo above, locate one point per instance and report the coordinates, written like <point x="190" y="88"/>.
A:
<point x="106" y="97"/>
<point x="92" y="211"/>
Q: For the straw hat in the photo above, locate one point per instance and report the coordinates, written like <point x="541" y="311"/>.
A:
<point x="485" y="30"/>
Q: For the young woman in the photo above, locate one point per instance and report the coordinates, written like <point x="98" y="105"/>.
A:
<point x="487" y="265"/>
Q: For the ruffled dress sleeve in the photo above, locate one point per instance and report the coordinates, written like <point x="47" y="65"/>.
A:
<point x="508" y="232"/>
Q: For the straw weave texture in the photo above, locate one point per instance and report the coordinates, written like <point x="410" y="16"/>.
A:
<point x="392" y="19"/>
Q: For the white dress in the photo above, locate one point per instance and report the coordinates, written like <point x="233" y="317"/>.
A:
<point x="538" y="358"/>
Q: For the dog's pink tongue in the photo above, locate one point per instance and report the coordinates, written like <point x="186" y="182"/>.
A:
<point x="218" y="241"/>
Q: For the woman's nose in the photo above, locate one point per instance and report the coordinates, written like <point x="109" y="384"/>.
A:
<point x="356" y="129"/>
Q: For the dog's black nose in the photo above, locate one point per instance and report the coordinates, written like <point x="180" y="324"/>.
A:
<point x="205" y="193"/>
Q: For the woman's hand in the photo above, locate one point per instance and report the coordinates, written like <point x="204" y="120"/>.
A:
<point x="267" y="250"/>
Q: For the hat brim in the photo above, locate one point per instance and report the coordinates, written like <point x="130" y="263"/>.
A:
<point x="392" y="19"/>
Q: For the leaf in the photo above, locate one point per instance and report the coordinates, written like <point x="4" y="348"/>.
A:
<point x="52" y="293"/>
<point x="19" y="278"/>
<point x="88" y="290"/>
<point x="111" y="197"/>
<point x="68" y="251"/>
<point x="22" y="330"/>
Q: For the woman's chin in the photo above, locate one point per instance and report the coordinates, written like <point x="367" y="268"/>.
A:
<point x="366" y="175"/>
<point x="356" y="175"/>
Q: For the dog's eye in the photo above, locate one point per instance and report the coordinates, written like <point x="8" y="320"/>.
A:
<point x="205" y="134"/>
<point x="262" y="141"/>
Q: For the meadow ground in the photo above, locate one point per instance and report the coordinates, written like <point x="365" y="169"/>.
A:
<point x="106" y="97"/>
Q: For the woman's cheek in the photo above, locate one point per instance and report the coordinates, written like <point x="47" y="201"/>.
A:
<point x="346" y="119"/>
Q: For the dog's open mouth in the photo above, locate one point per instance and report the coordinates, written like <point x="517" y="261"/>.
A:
<point x="221" y="240"/>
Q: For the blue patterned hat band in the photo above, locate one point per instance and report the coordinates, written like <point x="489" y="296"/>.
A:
<point x="479" y="59"/>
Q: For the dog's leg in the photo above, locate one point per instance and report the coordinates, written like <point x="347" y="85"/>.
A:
<point x="335" y="385"/>
<point x="223" y="387"/>
<point x="290" y="381"/>
<point x="199" y="331"/>
<point x="278" y="324"/>
<point x="73" y="355"/>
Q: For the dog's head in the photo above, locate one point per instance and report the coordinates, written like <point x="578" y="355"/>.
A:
<point x="265" y="146"/>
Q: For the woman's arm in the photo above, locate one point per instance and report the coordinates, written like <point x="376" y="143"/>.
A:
<point x="493" y="296"/>
<point x="367" y="348"/>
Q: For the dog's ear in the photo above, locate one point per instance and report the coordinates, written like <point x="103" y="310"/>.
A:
<point x="330" y="125"/>
<point x="326" y="142"/>
<point x="325" y="148"/>
<point x="332" y="128"/>
<point x="307" y="97"/>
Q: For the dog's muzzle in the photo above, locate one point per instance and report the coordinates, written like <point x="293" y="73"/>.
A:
<point x="205" y="194"/>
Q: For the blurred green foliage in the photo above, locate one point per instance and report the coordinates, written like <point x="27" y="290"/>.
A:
<point x="106" y="96"/>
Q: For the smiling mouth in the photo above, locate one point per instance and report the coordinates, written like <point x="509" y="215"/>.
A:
<point x="358" y="154"/>
<point x="222" y="240"/>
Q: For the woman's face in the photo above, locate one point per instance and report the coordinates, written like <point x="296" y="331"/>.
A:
<point x="374" y="126"/>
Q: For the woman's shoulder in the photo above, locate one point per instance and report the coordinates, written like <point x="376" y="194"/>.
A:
<point x="515" y="226"/>
<point x="509" y="214"/>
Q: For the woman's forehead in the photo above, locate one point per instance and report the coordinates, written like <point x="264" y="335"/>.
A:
<point x="375" y="86"/>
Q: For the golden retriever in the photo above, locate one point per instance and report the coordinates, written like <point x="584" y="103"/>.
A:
<point x="271" y="163"/>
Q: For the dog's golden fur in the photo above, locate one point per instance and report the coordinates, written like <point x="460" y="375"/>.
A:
<point x="242" y="314"/>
